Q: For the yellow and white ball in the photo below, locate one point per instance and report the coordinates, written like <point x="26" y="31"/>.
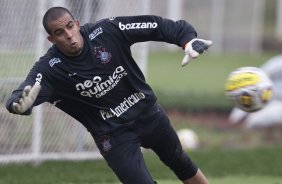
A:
<point x="249" y="88"/>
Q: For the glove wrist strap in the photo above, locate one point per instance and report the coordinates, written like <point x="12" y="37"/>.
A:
<point x="184" y="47"/>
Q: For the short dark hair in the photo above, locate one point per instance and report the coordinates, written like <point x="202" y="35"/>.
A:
<point x="53" y="14"/>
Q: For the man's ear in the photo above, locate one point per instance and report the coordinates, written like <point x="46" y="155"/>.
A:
<point x="50" y="38"/>
<point x="77" y="23"/>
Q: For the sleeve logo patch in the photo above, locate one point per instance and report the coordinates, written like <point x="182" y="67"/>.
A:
<point x="95" y="33"/>
<point x="54" y="61"/>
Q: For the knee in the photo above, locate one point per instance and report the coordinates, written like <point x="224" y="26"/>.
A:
<point x="182" y="165"/>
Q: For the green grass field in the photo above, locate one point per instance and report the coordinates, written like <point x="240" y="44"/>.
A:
<point x="254" y="166"/>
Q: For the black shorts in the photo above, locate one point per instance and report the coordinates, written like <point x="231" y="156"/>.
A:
<point x="152" y="130"/>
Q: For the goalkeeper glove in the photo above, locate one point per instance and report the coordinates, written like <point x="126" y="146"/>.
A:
<point x="27" y="99"/>
<point x="194" y="48"/>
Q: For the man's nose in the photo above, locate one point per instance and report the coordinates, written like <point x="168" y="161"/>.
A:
<point x="68" y="34"/>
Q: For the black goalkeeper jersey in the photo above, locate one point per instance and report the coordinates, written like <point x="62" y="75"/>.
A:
<point x="103" y="87"/>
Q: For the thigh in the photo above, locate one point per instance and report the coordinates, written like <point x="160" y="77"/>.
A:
<point x="124" y="156"/>
<point x="169" y="150"/>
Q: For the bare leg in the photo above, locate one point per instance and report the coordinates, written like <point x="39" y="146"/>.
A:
<point x="199" y="178"/>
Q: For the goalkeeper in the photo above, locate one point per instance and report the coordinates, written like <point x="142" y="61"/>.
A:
<point x="90" y="74"/>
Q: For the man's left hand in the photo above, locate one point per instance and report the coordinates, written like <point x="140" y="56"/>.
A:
<point x="194" y="48"/>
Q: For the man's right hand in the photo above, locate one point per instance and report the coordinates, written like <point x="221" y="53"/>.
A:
<point x="28" y="97"/>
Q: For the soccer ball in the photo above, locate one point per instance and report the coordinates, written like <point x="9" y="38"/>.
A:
<point x="249" y="88"/>
<point x="188" y="139"/>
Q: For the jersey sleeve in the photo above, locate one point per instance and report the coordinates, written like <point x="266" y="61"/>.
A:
<point x="154" y="28"/>
<point x="35" y="75"/>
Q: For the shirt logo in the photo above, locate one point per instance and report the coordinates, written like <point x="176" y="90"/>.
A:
<point x="99" y="86"/>
<point x="54" y="61"/>
<point x="95" y="33"/>
<point x="127" y="103"/>
<point x="102" y="54"/>
<point x="138" y="25"/>
<point x="72" y="74"/>
<point x="123" y="106"/>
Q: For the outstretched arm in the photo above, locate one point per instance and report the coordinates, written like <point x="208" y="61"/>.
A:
<point x="155" y="28"/>
<point x="33" y="91"/>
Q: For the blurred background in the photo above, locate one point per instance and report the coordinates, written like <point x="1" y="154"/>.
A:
<point x="244" y="33"/>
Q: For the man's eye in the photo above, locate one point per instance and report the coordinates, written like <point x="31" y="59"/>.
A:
<point x="58" y="33"/>
<point x="70" y="25"/>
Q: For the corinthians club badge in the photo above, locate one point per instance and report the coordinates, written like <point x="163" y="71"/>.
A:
<point x="105" y="142"/>
<point x="102" y="54"/>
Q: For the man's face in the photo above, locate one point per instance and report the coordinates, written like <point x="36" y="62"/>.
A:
<point x="65" y="35"/>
